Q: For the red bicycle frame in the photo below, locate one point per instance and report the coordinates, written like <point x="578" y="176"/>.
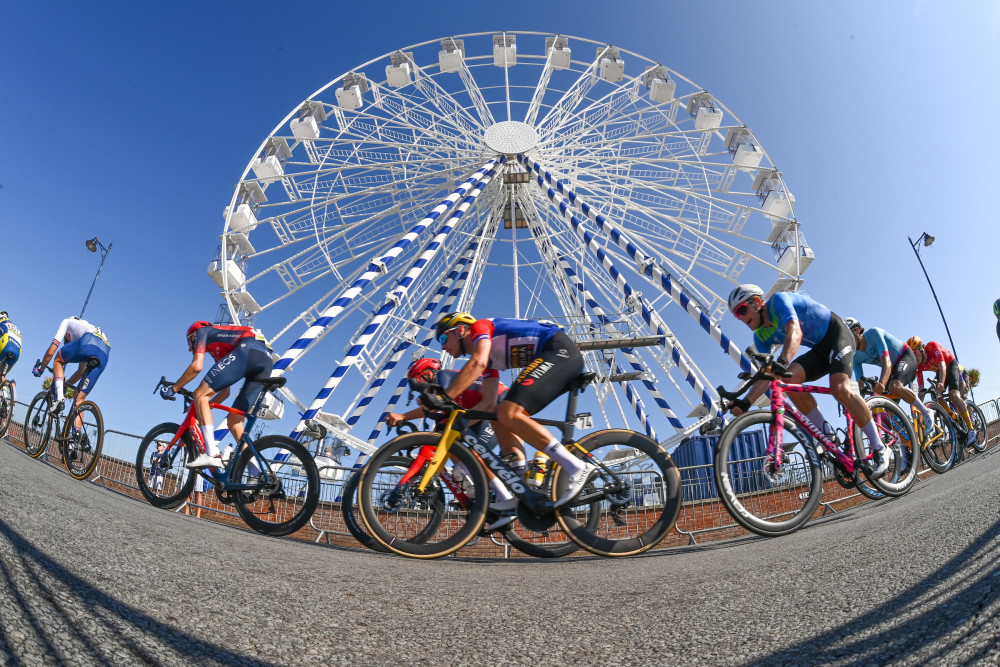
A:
<point x="190" y="424"/>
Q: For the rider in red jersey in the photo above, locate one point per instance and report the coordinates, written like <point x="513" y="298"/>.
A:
<point x="933" y="356"/>
<point x="238" y="353"/>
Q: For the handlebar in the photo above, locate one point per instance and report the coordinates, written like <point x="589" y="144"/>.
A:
<point x="186" y="393"/>
<point x="732" y="398"/>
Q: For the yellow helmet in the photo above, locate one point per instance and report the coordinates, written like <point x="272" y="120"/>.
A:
<point x="914" y="343"/>
<point x="452" y="320"/>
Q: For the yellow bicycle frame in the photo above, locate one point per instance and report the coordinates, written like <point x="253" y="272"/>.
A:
<point x="448" y="438"/>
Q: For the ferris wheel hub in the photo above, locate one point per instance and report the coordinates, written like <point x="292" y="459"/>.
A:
<point x="511" y="137"/>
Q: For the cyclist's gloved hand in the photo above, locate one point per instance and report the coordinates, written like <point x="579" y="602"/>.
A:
<point x="38" y="369"/>
<point x="779" y="367"/>
<point x="167" y="392"/>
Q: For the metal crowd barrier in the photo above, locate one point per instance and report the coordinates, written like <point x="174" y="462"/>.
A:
<point x="701" y="516"/>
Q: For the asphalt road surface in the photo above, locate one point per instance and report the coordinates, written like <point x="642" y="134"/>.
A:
<point x="91" y="577"/>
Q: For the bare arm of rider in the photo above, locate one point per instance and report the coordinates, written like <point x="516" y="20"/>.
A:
<point x="793" y="339"/>
<point x="395" y="418"/>
<point x="197" y="362"/>
<point x="941" y="371"/>
<point x="472" y="369"/>
<point x="884" y="377"/>
<point x="49" y="353"/>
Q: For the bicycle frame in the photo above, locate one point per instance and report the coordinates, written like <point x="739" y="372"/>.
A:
<point x="780" y="404"/>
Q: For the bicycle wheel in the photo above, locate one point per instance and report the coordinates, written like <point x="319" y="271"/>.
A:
<point x="37" y="425"/>
<point x="352" y="513"/>
<point x="896" y="432"/>
<point x="639" y="495"/>
<point x="170" y="483"/>
<point x="282" y="498"/>
<point x="978" y="423"/>
<point x="81" y="448"/>
<point x="764" y="501"/>
<point x="401" y="518"/>
<point x="939" y="453"/>
<point x="6" y="406"/>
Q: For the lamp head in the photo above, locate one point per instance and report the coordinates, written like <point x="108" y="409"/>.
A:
<point x="92" y="244"/>
<point x="928" y="239"/>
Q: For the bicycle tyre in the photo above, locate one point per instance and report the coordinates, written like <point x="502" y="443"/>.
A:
<point x="398" y="516"/>
<point x="37" y="425"/>
<point x="177" y="480"/>
<point x="862" y="482"/>
<point x="292" y="469"/>
<point x="7" y="402"/>
<point x="896" y="431"/>
<point x="755" y="500"/>
<point x="645" y="527"/>
<point x="978" y="422"/>
<point x="88" y="449"/>
<point x="351" y="512"/>
<point x="940" y="455"/>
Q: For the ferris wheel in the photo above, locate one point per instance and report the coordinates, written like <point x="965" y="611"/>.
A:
<point x="505" y="174"/>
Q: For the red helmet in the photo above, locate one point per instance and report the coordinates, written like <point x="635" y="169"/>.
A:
<point x="421" y="366"/>
<point x="193" y="328"/>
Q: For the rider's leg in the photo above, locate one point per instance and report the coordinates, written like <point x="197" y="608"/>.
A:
<point x="805" y="402"/>
<point x="844" y="391"/>
<point x="509" y="444"/>
<point x="202" y="397"/>
<point x="897" y="388"/>
<point x="58" y="375"/>
<point x="514" y="419"/>
<point x="961" y="407"/>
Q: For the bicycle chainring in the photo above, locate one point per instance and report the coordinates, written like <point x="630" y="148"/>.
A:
<point x="534" y="521"/>
<point x="845" y="480"/>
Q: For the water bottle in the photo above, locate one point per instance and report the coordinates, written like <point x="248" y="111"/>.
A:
<point x="536" y="471"/>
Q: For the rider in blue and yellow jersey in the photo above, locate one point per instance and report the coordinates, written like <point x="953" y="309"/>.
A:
<point x="790" y="320"/>
<point x="10" y="345"/>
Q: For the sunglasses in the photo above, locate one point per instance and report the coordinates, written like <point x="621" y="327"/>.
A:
<point x="444" y="337"/>
<point x="741" y="309"/>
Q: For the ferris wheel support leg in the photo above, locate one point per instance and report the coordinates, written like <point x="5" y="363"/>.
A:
<point x="395" y="298"/>
<point x="649" y="315"/>
<point x="664" y="279"/>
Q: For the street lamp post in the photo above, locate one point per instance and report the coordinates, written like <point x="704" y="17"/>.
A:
<point x="93" y="245"/>
<point x="927" y="239"/>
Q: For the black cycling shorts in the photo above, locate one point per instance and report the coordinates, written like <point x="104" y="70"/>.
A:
<point x="544" y="378"/>
<point x="248" y="360"/>
<point x="905" y="368"/>
<point x="833" y="354"/>
<point x="953" y="377"/>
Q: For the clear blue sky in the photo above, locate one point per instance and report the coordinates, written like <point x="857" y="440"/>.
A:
<point x="133" y="122"/>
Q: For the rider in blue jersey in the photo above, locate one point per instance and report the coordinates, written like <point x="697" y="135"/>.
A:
<point x="550" y="360"/>
<point x="10" y="345"/>
<point x="790" y="320"/>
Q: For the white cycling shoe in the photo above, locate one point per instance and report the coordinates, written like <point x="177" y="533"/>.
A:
<point x="205" y="461"/>
<point x="576" y="484"/>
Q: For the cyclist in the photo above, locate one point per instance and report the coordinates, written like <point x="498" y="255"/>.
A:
<point x="10" y="345"/>
<point x="483" y="394"/>
<point x="239" y="352"/>
<point x="996" y="312"/>
<point x="81" y="341"/>
<point x="933" y="356"/>
<point x="898" y="364"/>
<point x="549" y="358"/>
<point x="790" y="319"/>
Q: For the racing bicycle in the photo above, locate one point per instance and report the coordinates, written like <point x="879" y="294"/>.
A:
<point x="775" y="489"/>
<point x="930" y="397"/>
<point x="80" y="434"/>
<point x="635" y="494"/>
<point x="272" y="481"/>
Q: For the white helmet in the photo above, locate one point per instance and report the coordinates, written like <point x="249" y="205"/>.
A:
<point x="852" y="323"/>
<point x="741" y="293"/>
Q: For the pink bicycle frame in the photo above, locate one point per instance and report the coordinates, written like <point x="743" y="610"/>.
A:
<point x="780" y="403"/>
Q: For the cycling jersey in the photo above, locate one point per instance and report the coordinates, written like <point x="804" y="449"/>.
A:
<point x="471" y="396"/>
<point x="10" y="346"/>
<point x="219" y="340"/>
<point x="515" y="343"/>
<point x="879" y="343"/>
<point x="74" y="329"/>
<point x="784" y="307"/>
<point x="936" y="353"/>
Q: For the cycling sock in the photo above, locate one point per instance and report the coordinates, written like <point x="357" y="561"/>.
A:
<point x="561" y="455"/>
<point x="211" y="446"/>
<point x="502" y="492"/>
<point x="928" y="417"/>
<point x="59" y="388"/>
<point x="819" y="421"/>
<point x="871" y="431"/>
<point x="967" y="420"/>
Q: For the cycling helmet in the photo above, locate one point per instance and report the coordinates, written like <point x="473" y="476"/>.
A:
<point x="996" y="308"/>
<point x="743" y="293"/>
<point x="3" y="314"/>
<point x="852" y="323"/>
<point x="192" y="329"/>
<point x="421" y="366"/>
<point x="914" y="343"/>
<point x="452" y="320"/>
